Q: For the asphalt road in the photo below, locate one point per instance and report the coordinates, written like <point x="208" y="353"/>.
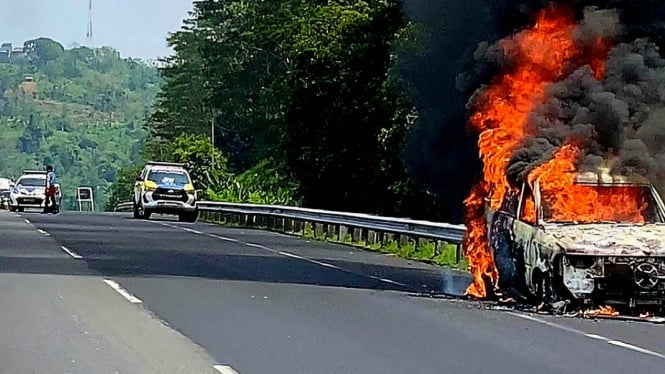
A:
<point x="259" y="302"/>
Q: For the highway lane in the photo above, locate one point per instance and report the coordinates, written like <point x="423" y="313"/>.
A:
<point x="269" y="303"/>
<point x="55" y="324"/>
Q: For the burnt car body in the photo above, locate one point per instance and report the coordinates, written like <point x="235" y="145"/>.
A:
<point x="610" y="263"/>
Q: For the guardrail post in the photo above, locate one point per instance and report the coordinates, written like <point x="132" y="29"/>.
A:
<point x="343" y="231"/>
<point x="458" y="253"/>
<point x="356" y="236"/>
<point x="402" y="241"/>
<point x="371" y="237"/>
<point x="318" y="230"/>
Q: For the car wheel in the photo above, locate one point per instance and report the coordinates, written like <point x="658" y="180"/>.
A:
<point x="146" y="214"/>
<point x="20" y="209"/>
<point x="12" y="209"/>
<point x="135" y="211"/>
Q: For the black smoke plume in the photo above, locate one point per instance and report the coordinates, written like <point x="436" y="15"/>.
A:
<point x="622" y="114"/>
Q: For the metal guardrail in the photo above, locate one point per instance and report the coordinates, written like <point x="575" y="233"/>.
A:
<point x="294" y="219"/>
<point x="425" y="229"/>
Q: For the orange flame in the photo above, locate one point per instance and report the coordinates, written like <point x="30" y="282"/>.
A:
<point x="580" y="203"/>
<point x="603" y="311"/>
<point x="539" y="56"/>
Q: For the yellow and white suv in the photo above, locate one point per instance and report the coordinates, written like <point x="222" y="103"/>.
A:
<point x="165" y="188"/>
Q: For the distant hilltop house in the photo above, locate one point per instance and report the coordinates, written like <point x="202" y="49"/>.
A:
<point x="5" y="52"/>
<point x="29" y="87"/>
<point x="9" y="53"/>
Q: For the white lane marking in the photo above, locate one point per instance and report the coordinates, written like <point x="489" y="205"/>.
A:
<point x="392" y="282"/>
<point x="325" y="264"/>
<point x="192" y="231"/>
<point x="26" y="220"/>
<point x="287" y="254"/>
<point x="223" y="238"/>
<point x="131" y="298"/>
<point x="621" y="344"/>
<point x="71" y="253"/>
<point x="616" y="343"/>
<point x="43" y="232"/>
<point x="225" y="369"/>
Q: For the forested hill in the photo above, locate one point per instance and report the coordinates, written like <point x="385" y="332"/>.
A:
<point x="81" y="110"/>
<point x="307" y="101"/>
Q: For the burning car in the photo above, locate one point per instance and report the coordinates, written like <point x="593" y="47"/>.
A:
<point x="609" y="247"/>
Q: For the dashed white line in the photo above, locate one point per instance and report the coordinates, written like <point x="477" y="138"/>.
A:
<point x="71" y="253"/>
<point x="131" y="298"/>
<point x="291" y="255"/>
<point x="287" y="254"/>
<point x="192" y="231"/>
<point x="26" y="220"/>
<point x="43" y="232"/>
<point x="223" y="238"/>
<point x="225" y="369"/>
<point x="325" y="264"/>
<point x="613" y="342"/>
<point x="386" y="280"/>
<point x="635" y="348"/>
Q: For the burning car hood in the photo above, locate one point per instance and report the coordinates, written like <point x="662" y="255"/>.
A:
<point x="610" y="239"/>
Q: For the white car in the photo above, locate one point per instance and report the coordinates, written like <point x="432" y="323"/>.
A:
<point x="6" y="186"/>
<point x="165" y="188"/>
<point x="30" y="191"/>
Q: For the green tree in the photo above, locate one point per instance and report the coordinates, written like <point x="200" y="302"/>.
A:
<point x="123" y="189"/>
<point x="87" y="120"/>
<point x="206" y="165"/>
<point x="306" y="100"/>
<point x="43" y="50"/>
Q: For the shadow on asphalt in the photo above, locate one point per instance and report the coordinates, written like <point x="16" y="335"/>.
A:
<point x="118" y="251"/>
<point x="270" y="269"/>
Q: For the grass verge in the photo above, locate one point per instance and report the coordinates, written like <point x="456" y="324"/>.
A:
<point x="429" y="251"/>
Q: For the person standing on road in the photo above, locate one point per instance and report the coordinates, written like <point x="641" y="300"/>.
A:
<point x="49" y="204"/>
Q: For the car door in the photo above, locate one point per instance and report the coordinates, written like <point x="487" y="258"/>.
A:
<point x="524" y="228"/>
<point x="502" y="239"/>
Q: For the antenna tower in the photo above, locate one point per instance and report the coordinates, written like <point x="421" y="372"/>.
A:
<point x="89" y="32"/>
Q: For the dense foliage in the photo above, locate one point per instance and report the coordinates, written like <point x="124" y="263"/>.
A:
<point x="306" y="101"/>
<point x="81" y="110"/>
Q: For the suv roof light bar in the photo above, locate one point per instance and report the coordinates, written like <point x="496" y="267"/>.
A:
<point x="34" y="172"/>
<point x="159" y="163"/>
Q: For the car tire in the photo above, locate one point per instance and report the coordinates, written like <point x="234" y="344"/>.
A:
<point x="146" y="214"/>
<point x="135" y="211"/>
<point x="12" y="209"/>
<point x="20" y="209"/>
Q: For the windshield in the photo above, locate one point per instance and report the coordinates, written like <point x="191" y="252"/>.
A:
<point x="32" y="182"/>
<point x="170" y="178"/>
<point x="602" y="204"/>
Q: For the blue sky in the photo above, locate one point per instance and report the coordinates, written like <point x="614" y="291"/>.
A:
<point x="137" y="28"/>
